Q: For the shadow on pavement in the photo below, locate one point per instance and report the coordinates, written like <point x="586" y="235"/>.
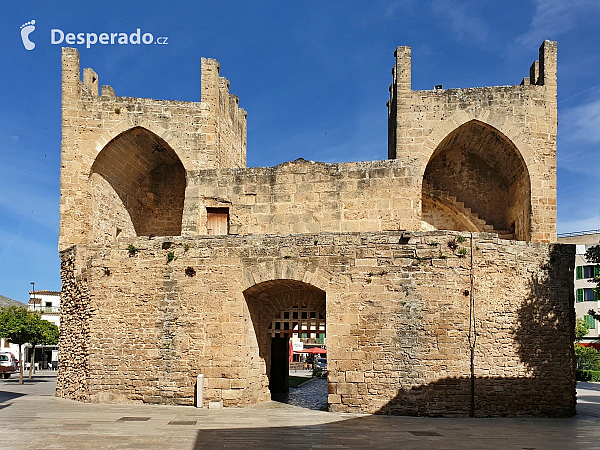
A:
<point x="7" y="396"/>
<point x="34" y="380"/>
<point x="588" y="386"/>
<point x="388" y="432"/>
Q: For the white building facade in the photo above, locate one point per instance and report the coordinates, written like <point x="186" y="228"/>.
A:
<point x="48" y="303"/>
<point x="586" y="297"/>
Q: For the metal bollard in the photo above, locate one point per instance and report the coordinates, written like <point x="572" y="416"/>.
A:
<point x="200" y="391"/>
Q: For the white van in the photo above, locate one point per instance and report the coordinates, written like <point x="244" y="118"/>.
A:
<point x="8" y="364"/>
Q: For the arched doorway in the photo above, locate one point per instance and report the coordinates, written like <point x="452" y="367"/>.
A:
<point x="476" y="180"/>
<point x="137" y="183"/>
<point x="283" y="312"/>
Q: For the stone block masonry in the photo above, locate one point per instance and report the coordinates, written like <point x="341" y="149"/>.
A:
<point x="491" y="149"/>
<point x="397" y="310"/>
<point x="120" y="155"/>
<point x="177" y="258"/>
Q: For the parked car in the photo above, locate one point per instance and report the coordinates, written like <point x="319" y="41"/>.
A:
<point x="321" y="364"/>
<point x="8" y="364"/>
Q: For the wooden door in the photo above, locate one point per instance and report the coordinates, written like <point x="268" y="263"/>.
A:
<point x="217" y="221"/>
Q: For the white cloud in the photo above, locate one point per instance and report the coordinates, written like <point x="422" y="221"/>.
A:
<point x="554" y="17"/>
<point x="41" y="209"/>
<point x="569" y="226"/>
<point x="464" y="24"/>
<point x="583" y="122"/>
<point x="579" y="136"/>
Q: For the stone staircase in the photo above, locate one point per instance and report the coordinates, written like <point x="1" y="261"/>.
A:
<point x="451" y="201"/>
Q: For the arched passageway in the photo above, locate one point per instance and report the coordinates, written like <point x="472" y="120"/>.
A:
<point x="284" y="311"/>
<point x="137" y="185"/>
<point x="476" y="180"/>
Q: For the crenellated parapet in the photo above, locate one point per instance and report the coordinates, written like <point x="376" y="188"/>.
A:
<point x="491" y="148"/>
<point x="125" y="159"/>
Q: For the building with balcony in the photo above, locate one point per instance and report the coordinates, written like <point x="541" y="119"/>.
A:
<point x="48" y="303"/>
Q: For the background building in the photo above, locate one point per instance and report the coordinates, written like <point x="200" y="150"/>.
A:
<point x="585" y="296"/>
<point x="48" y="303"/>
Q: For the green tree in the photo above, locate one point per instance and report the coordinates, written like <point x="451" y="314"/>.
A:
<point x="14" y="322"/>
<point x="41" y="332"/>
<point x="581" y="329"/>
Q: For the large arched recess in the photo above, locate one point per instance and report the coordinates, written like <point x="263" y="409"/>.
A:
<point x="477" y="176"/>
<point x="265" y="302"/>
<point x="138" y="186"/>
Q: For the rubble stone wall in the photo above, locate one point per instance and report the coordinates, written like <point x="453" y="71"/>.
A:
<point x="76" y="311"/>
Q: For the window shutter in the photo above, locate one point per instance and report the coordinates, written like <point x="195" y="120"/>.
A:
<point x="596" y="271"/>
<point x="579" y="295"/>
<point x="590" y="322"/>
<point x="579" y="272"/>
<point x="596" y="295"/>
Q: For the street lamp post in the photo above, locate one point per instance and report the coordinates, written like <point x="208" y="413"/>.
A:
<point x="33" y="292"/>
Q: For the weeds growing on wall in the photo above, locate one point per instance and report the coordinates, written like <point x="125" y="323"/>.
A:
<point x="171" y="257"/>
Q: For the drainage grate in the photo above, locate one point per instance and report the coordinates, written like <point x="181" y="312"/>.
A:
<point x="424" y="433"/>
<point x="182" y="422"/>
<point x="133" y="419"/>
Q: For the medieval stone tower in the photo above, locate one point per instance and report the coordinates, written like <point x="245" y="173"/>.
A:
<point x="485" y="157"/>
<point x="177" y="260"/>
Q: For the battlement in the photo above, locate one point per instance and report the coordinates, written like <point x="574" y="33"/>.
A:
<point x="502" y="130"/>
<point x="478" y="159"/>
<point x="138" y="150"/>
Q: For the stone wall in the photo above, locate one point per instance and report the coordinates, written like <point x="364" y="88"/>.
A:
<point x="140" y="325"/>
<point x="524" y="116"/>
<point x="308" y="197"/>
<point x="206" y="134"/>
<point x="397" y="311"/>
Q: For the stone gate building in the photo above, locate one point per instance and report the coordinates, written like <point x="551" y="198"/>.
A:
<point x="433" y="269"/>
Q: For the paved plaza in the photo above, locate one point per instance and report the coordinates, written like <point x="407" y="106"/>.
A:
<point x="32" y="418"/>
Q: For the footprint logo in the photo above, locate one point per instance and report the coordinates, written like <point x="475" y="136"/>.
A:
<point x="26" y="30"/>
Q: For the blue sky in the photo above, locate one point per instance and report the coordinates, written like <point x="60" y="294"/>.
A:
<point x="312" y="75"/>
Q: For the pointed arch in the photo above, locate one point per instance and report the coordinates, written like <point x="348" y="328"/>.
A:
<point x="477" y="173"/>
<point x="138" y="185"/>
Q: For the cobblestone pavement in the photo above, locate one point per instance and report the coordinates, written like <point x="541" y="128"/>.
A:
<point x="32" y="418"/>
<point x="310" y="395"/>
